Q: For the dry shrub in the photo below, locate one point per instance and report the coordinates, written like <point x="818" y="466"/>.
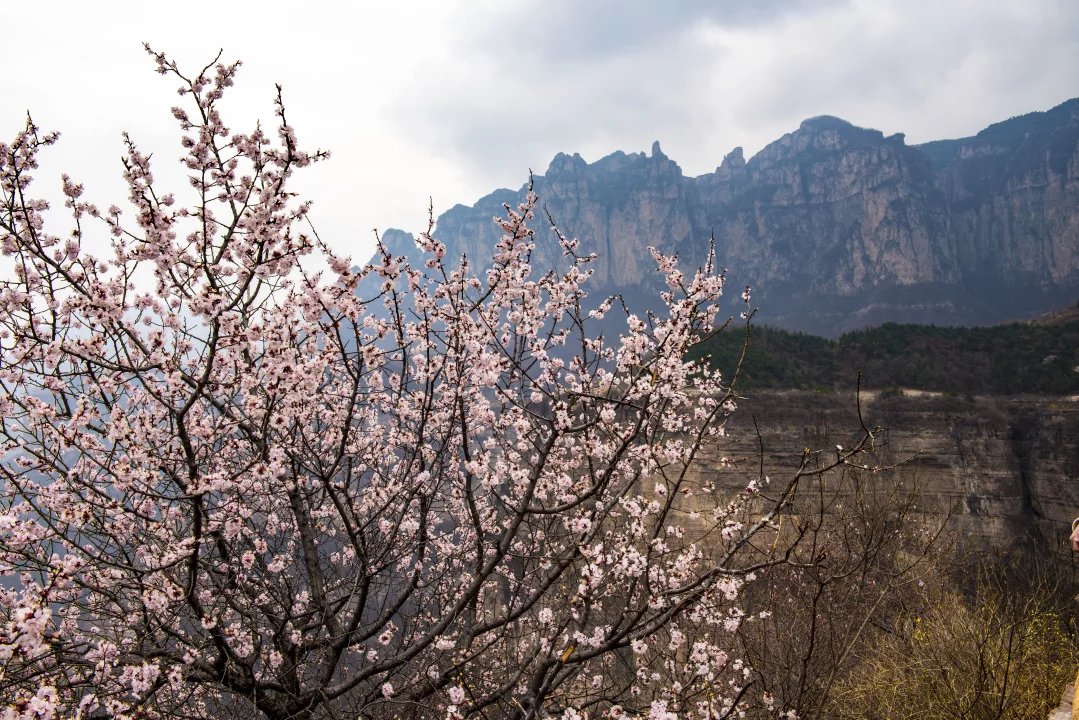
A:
<point x="1003" y="652"/>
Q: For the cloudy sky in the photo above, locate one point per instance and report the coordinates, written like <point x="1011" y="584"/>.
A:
<point x="450" y="100"/>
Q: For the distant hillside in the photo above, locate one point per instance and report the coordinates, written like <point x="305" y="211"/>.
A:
<point x="1040" y="357"/>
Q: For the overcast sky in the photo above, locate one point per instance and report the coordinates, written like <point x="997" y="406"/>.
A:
<point x="453" y="99"/>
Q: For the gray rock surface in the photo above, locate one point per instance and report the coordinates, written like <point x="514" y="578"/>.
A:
<point x="1005" y="468"/>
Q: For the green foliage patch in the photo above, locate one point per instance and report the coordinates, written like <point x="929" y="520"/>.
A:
<point x="1017" y="358"/>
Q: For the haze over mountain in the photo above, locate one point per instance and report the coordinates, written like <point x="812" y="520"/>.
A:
<point x="834" y="226"/>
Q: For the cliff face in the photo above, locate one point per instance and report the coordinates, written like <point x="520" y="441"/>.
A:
<point x="1005" y="468"/>
<point x="835" y="226"/>
<point x="1013" y="191"/>
<point x="617" y="206"/>
<point x="827" y="221"/>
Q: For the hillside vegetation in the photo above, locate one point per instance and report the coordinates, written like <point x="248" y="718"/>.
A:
<point x="1037" y="357"/>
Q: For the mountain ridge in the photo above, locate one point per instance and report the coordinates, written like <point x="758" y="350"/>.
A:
<point x="835" y="226"/>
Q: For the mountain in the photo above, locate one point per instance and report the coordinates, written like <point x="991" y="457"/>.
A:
<point x="836" y="227"/>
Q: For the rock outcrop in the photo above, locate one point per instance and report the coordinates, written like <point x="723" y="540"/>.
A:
<point x="1005" y="468"/>
<point x="835" y="226"/>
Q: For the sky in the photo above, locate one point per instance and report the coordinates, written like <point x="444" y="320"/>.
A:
<point x="441" y="103"/>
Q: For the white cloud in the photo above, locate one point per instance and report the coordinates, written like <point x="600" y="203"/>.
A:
<point x="454" y="99"/>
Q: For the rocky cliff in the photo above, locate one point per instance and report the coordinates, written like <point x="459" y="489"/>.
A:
<point x="1007" y="468"/>
<point x="835" y="226"/>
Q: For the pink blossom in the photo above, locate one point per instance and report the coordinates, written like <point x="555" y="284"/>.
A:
<point x="254" y="477"/>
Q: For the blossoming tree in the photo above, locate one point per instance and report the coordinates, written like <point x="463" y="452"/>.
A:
<point x="233" y="487"/>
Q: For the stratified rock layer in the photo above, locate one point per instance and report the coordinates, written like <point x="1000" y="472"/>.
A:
<point x="1005" y="468"/>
